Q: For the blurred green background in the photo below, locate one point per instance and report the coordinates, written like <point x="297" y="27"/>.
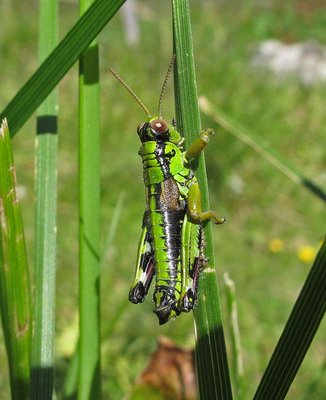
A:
<point x="273" y="226"/>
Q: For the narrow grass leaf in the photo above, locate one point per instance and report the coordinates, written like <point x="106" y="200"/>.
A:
<point x="257" y="144"/>
<point x="234" y="331"/>
<point x="211" y="359"/>
<point x="297" y="335"/>
<point x="71" y="378"/>
<point x="14" y="277"/>
<point x="59" y="62"/>
<point x="45" y="220"/>
<point x="89" y="371"/>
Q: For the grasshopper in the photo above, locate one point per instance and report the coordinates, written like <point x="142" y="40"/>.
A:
<point x="171" y="246"/>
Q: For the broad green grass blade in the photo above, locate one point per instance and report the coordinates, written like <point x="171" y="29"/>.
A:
<point x="260" y="147"/>
<point x="89" y="371"/>
<point x="297" y="335"/>
<point x="14" y="277"/>
<point x="211" y="358"/>
<point x="42" y="362"/>
<point x="49" y="74"/>
<point x="234" y="331"/>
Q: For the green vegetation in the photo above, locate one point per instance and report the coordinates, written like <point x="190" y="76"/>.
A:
<point x="46" y="149"/>
<point x="14" y="280"/>
<point x="273" y="226"/>
<point x="89" y="368"/>
<point x="210" y="348"/>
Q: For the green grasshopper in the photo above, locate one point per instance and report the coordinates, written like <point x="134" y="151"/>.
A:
<point x="171" y="246"/>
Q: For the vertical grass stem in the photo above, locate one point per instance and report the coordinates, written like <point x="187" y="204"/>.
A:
<point x="89" y="379"/>
<point x="211" y="359"/>
<point x="45" y="220"/>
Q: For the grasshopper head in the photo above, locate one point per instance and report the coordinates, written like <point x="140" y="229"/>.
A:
<point x="156" y="129"/>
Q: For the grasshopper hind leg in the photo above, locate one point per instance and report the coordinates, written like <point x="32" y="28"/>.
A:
<point x="190" y="297"/>
<point x="193" y="260"/>
<point x="144" y="267"/>
<point x="140" y="288"/>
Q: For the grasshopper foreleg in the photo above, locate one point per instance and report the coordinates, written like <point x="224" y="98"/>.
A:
<point x="199" y="144"/>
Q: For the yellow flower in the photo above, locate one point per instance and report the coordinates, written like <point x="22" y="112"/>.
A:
<point x="307" y="253"/>
<point x="276" y="245"/>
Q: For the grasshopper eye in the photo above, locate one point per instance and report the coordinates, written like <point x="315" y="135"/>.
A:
<point x="159" y="126"/>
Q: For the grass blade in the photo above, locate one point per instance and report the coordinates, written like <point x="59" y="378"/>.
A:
<point x="14" y="278"/>
<point x="45" y="220"/>
<point x="262" y="148"/>
<point x="237" y="362"/>
<point x="49" y="74"/>
<point x="89" y="378"/>
<point x="211" y="359"/>
<point x="297" y="335"/>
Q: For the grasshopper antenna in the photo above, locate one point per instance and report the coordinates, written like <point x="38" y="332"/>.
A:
<point x="123" y="83"/>
<point x="167" y="76"/>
